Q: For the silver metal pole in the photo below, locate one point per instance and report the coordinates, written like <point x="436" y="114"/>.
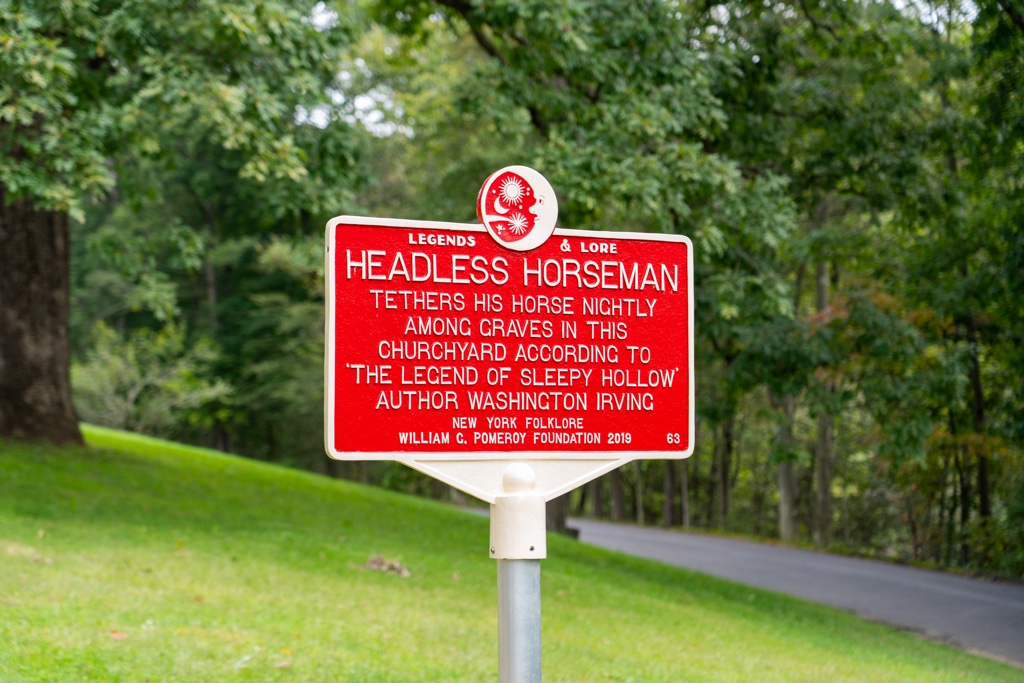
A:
<point x="518" y="543"/>
<point x="519" y="621"/>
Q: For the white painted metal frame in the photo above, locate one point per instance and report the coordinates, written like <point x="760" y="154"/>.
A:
<point x="480" y="473"/>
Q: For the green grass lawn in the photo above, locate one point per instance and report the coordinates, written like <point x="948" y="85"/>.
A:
<point x="141" y="560"/>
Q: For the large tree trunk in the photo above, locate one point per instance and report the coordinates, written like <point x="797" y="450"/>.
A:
<point x="618" y="496"/>
<point x="35" y="348"/>
<point x="787" y="478"/>
<point x="711" y="485"/>
<point x="558" y="516"/>
<point x="684" y="492"/>
<point x="978" y="419"/>
<point x="596" y="498"/>
<point x="694" y="481"/>
<point x="965" y="508"/>
<point x="669" y="483"/>
<point x="823" y="511"/>
<point x="823" y="516"/>
<point x="638" y="492"/>
<point x="724" y="472"/>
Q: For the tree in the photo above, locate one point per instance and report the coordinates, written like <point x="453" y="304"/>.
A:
<point x="827" y="95"/>
<point x="965" y="256"/>
<point x="92" y="88"/>
<point x="147" y="383"/>
<point x="623" y="119"/>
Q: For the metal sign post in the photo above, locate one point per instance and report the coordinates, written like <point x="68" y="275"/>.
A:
<point x="519" y="621"/>
<point x="518" y="543"/>
<point x="511" y="360"/>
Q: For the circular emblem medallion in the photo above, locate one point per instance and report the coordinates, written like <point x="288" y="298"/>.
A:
<point x="518" y="207"/>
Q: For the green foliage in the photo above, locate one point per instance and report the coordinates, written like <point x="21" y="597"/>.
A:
<point x="998" y="47"/>
<point x="830" y="150"/>
<point x="850" y="174"/>
<point x="52" y="138"/>
<point x="273" y="352"/>
<point x="1012" y="561"/>
<point x="90" y="83"/>
<point x="152" y="382"/>
<point x="129" y="260"/>
<point x="444" y="138"/>
<point x="622" y="118"/>
<point x="181" y="137"/>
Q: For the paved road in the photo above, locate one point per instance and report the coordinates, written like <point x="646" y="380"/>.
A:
<point x="977" y="615"/>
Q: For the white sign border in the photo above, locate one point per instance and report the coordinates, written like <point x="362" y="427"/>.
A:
<point x="409" y="457"/>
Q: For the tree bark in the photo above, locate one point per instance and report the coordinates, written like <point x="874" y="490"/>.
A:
<point x="711" y="505"/>
<point x="221" y="437"/>
<point x="694" y="481"/>
<point x="581" y="500"/>
<point x="953" y="457"/>
<point x="823" y="512"/>
<point x="724" y="472"/>
<point x="456" y="496"/>
<point x="684" y="492"/>
<point x="668" y="511"/>
<point x="618" y="496"/>
<point x="210" y="280"/>
<point x="965" y="507"/>
<point x="787" y="480"/>
<point x="330" y="467"/>
<point x="978" y="419"/>
<point x="939" y="546"/>
<point x="35" y="345"/>
<point x="638" y="492"/>
<point x="558" y="516"/>
<point x="596" y="498"/>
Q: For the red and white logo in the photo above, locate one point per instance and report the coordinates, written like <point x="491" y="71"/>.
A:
<point x="518" y="207"/>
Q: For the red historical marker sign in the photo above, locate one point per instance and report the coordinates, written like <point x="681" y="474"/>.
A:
<point x="451" y="344"/>
<point x="444" y="341"/>
<point x="510" y="359"/>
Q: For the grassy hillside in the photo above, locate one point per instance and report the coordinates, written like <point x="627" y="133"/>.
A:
<point x="140" y="560"/>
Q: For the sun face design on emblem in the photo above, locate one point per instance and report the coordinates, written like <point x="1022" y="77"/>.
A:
<point x="509" y="206"/>
<point x="518" y="207"/>
<point x="511" y="190"/>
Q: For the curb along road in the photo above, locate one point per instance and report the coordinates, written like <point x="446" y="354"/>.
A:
<point x="980" y="616"/>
